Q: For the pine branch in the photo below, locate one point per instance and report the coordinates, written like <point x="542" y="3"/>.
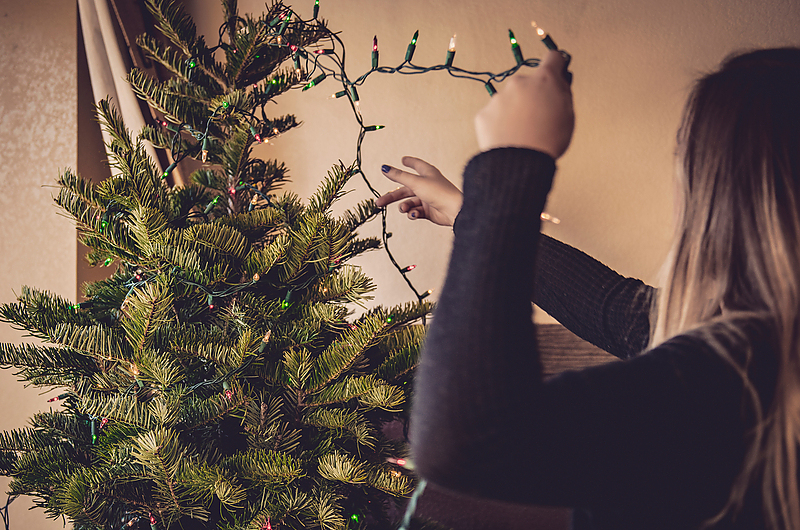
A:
<point x="39" y="312"/>
<point x="219" y="238"/>
<point x="340" y="467"/>
<point x="175" y="109"/>
<point x="175" y="24"/>
<point x="178" y="63"/>
<point x="360" y="214"/>
<point x="330" y="189"/>
<point x="146" y="309"/>
<point x="359" y="246"/>
<point x="345" y="352"/>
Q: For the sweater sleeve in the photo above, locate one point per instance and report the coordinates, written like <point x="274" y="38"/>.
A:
<point x="661" y="430"/>
<point x="591" y="300"/>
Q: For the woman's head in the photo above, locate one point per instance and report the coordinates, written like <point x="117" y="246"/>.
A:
<point x="737" y="245"/>
<point x="738" y="237"/>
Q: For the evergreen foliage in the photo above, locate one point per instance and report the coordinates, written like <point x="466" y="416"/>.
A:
<point x="216" y="379"/>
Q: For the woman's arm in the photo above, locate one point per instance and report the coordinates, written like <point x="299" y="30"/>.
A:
<point x="591" y="300"/>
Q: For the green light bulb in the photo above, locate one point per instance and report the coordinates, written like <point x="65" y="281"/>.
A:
<point x="512" y="38"/>
<point x="354" y="517"/>
<point x="515" y="49"/>
<point x="192" y="63"/>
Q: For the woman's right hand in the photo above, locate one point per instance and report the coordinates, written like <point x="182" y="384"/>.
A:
<point x="428" y="194"/>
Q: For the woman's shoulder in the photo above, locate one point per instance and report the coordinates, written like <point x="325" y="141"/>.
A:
<point x="744" y="342"/>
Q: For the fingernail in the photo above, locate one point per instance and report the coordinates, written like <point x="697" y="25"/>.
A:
<point x="414" y="215"/>
<point x="385" y="168"/>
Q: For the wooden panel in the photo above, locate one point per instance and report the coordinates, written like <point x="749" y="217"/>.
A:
<point x="562" y="350"/>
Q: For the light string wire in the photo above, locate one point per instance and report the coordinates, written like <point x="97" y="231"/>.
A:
<point x="314" y="72"/>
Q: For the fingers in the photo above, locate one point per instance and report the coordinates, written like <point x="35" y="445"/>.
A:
<point x="410" y="204"/>
<point x="555" y="63"/>
<point x="398" y="175"/>
<point x="416" y="213"/>
<point x="393" y="196"/>
<point x="420" y="166"/>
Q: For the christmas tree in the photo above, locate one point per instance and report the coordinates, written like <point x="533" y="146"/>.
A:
<point x="218" y="378"/>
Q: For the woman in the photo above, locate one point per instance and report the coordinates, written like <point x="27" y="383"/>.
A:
<point x="701" y="429"/>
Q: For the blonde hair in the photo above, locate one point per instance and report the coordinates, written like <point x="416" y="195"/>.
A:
<point x="737" y="249"/>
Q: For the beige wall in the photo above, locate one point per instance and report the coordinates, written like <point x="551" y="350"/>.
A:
<point x="38" y="132"/>
<point x="633" y="61"/>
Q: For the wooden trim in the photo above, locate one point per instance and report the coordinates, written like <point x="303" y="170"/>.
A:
<point x="562" y="350"/>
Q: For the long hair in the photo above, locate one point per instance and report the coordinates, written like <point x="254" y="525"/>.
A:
<point x="737" y="247"/>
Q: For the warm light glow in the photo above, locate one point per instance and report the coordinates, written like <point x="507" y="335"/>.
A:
<point x="375" y="43"/>
<point x="547" y="217"/>
<point x="452" y="43"/>
<point x="539" y="30"/>
<point x="134" y="369"/>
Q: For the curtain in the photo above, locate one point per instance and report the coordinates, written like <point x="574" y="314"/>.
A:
<point x="109" y="31"/>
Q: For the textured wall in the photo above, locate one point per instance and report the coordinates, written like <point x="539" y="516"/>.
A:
<point x="38" y="133"/>
<point x="633" y="61"/>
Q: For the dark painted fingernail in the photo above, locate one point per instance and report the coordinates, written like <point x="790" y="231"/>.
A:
<point x="385" y="168"/>
<point x="414" y="215"/>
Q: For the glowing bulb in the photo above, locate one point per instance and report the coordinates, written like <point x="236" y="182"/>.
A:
<point x="546" y="40"/>
<point x="279" y="40"/>
<point x="134" y="369"/>
<point x="547" y="217"/>
<point x="451" y="52"/>
<point x="275" y="130"/>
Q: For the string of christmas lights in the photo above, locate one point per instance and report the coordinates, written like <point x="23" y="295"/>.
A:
<point x="310" y="68"/>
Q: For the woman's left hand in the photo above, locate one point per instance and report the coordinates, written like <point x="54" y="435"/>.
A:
<point x="532" y="111"/>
